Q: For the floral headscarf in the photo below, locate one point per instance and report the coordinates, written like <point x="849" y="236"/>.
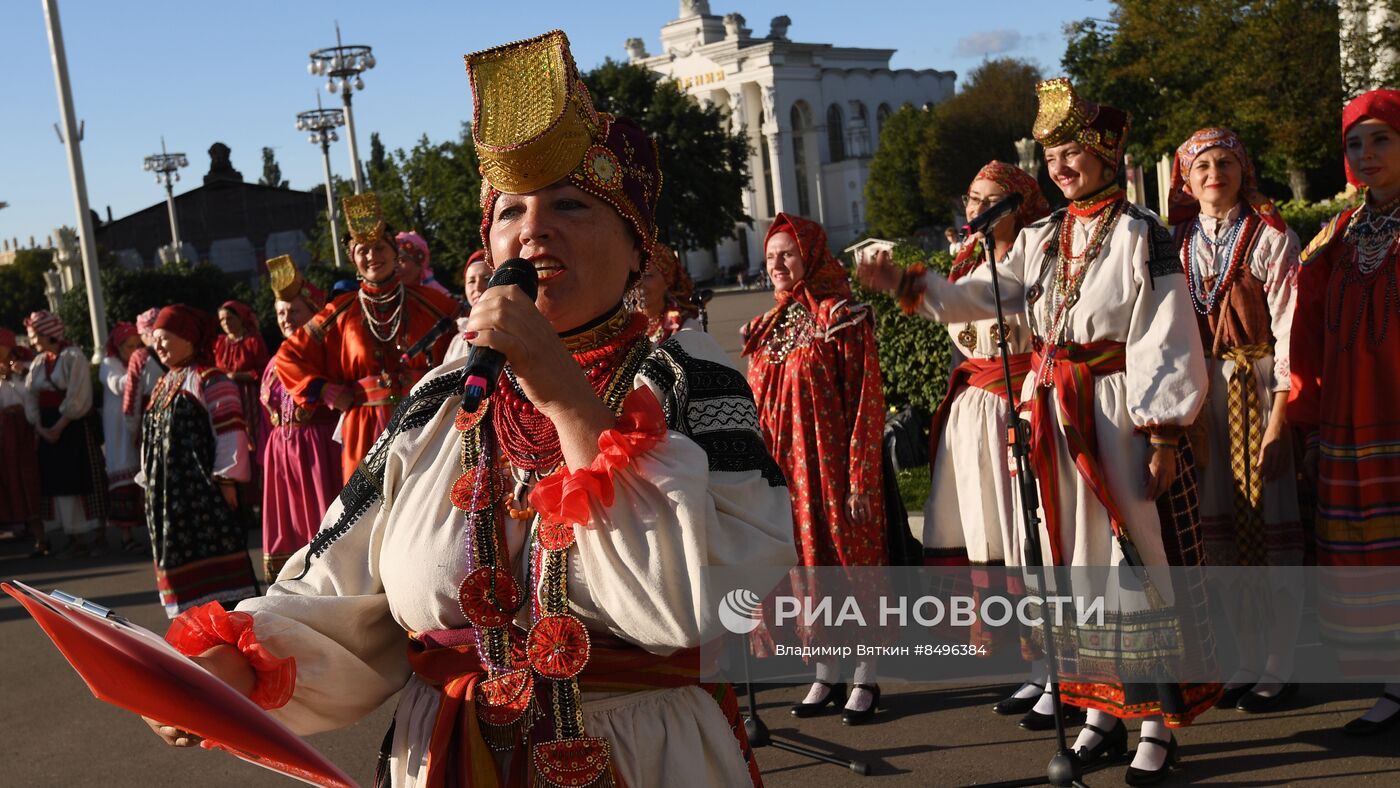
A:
<point x="1014" y="179"/>
<point x="1183" y="206"/>
<point x="823" y="276"/>
<point x="1382" y="105"/>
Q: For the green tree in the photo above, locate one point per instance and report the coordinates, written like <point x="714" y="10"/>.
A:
<point x="1364" y="61"/>
<point x="982" y="122"/>
<point x="22" y="287"/>
<point x="272" y="173"/>
<point x="129" y="292"/>
<point x="1269" y="69"/>
<point x="704" y="166"/>
<point x="895" y="208"/>
<point x="433" y="189"/>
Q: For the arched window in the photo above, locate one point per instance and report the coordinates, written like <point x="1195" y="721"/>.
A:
<point x="836" y="132"/>
<point x="799" y="160"/>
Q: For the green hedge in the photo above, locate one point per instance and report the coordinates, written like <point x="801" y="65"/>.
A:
<point x="1306" y="218"/>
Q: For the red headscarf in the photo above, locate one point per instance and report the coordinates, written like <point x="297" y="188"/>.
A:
<point x="46" y="324"/>
<point x="823" y="277"/>
<point x="1383" y="105"/>
<point x="1183" y="206"/>
<point x="194" y="326"/>
<point x="121" y="332"/>
<point x="7" y="338"/>
<point x="1014" y="179"/>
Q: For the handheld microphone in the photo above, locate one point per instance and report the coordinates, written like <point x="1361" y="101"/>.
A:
<point x="447" y="323"/>
<point x="990" y="216"/>
<point x="483" y="363"/>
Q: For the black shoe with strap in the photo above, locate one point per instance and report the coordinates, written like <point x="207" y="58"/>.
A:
<point x="1112" y="743"/>
<point x="835" y="696"/>
<point x="1230" y="698"/>
<point x="862" y="716"/>
<point x="1035" y="721"/>
<point x="1136" y="776"/>
<point x="1364" y="727"/>
<point x="1014" y="705"/>
<point x="1254" y="703"/>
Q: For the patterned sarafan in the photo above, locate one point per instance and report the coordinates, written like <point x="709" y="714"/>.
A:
<point x="816" y="379"/>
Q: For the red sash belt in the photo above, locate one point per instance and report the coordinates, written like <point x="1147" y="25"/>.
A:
<point x="52" y="399"/>
<point x="1072" y="368"/>
<point x="448" y="660"/>
<point x="982" y="373"/>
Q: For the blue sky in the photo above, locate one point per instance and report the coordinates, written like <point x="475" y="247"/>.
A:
<point x="200" y="71"/>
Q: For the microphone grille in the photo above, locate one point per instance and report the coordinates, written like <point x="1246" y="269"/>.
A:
<point x="518" y="272"/>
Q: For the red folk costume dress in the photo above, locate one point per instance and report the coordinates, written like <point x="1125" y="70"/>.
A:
<point x="1117" y="364"/>
<point x="1346" y="374"/>
<point x="19" y="471"/>
<point x="355" y="343"/>
<point x="815" y="375"/>
<point x="243" y="361"/>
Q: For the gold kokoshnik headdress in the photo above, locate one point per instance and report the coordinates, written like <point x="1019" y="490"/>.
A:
<point x="534" y="124"/>
<point x="364" y="218"/>
<point x="1066" y="117"/>
<point x="288" y="284"/>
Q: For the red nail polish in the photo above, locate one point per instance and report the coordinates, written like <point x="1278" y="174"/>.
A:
<point x="470" y="335"/>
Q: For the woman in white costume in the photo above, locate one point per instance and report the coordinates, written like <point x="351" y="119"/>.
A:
<point x="1117" y="375"/>
<point x="528" y="575"/>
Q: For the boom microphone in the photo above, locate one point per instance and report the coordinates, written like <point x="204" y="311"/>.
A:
<point x="444" y="325"/>
<point x="483" y="363"/>
<point x="990" y="216"/>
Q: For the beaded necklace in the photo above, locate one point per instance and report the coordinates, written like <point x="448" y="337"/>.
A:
<point x="528" y="438"/>
<point x="557" y="646"/>
<point x="793" y="330"/>
<point x="384" y="329"/>
<point x="1372" y="234"/>
<point x="1067" y="281"/>
<point x="1203" y="302"/>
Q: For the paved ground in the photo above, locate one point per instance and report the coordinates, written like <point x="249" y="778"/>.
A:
<point x="56" y="734"/>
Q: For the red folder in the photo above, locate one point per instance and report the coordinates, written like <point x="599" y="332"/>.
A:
<point x="135" y="669"/>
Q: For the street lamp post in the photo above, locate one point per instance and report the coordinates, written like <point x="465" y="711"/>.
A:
<point x="322" y="124"/>
<point x="165" y="165"/>
<point x="344" y="62"/>
<point x="72" y="138"/>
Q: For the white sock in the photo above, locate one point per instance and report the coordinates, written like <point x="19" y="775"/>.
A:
<point x="1088" y="739"/>
<point x="1149" y="756"/>
<point x="1035" y="682"/>
<point x="827" y="671"/>
<point x="1046" y="704"/>
<point x="1283" y="637"/>
<point x="1385" y="707"/>
<point x="861" y="699"/>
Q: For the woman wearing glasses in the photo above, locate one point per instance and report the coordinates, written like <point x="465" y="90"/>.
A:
<point x="970" y="514"/>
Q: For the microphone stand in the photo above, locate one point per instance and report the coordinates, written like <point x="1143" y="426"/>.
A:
<point x="1064" y="768"/>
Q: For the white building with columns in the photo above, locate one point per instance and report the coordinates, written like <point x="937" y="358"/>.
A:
<point x="812" y="114"/>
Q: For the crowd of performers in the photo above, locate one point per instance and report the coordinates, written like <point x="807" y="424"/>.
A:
<point x="527" y="576"/>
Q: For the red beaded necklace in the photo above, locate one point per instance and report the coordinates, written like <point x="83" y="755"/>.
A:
<point x="527" y="437"/>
